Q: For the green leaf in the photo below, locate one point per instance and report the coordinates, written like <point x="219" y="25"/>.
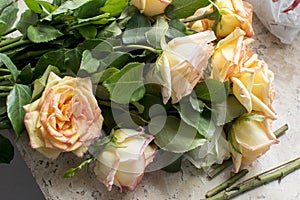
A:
<point x="174" y="166"/>
<point x="194" y="118"/>
<point x="17" y="98"/>
<point x="102" y="76"/>
<point x="27" y="18"/>
<point x="212" y="90"/>
<point x="88" y="32"/>
<point x="34" y="6"/>
<point x="174" y="135"/>
<point x="4" y="122"/>
<point x="135" y="30"/>
<point x="127" y="85"/>
<point x="88" y="10"/>
<point x="179" y="9"/>
<point x="228" y="110"/>
<point x="177" y="28"/>
<point x="26" y="74"/>
<point x="63" y="59"/>
<point x="196" y="104"/>
<point x="10" y="65"/>
<point x="111" y="30"/>
<point x="47" y="6"/>
<point x="42" y="33"/>
<point x="6" y="150"/>
<point x="157" y="33"/>
<point x="65" y="7"/>
<point x="39" y="84"/>
<point x="89" y="63"/>
<point x="5" y="3"/>
<point x="8" y="18"/>
<point x="114" y="7"/>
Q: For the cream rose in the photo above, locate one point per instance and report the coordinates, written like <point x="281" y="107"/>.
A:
<point x="252" y="139"/>
<point x="65" y="118"/>
<point x="123" y="162"/>
<point x="182" y="63"/>
<point x="235" y="14"/>
<point x="151" y="7"/>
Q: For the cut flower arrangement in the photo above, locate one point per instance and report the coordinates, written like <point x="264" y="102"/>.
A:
<point x="135" y="86"/>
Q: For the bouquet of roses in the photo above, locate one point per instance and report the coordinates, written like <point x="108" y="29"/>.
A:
<point x="135" y="84"/>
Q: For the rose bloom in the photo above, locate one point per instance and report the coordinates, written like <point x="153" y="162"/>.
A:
<point x="230" y="55"/>
<point x="123" y="162"/>
<point x="182" y="63"/>
<point x="253" y="87"/>
<point x="251" y="79"/>
<point x="65" y="118"/>
<point x="151" y="7"/>
<point x="251" y="139"/>
<point x="235" y="13"/>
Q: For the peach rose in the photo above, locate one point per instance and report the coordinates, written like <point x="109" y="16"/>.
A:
<point x="123" y="161"/>
<point x="151" y="7"/>
<point x="230" y="55"/>
<point x="235" y="13"/>
<point x="252" y="139"/>
<point x="251" y="79"/>
<point x="182" y="64"/>
<point x="65" y="118"/>
<point x="253" y="87"/>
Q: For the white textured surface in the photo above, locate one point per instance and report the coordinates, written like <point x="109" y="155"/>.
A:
<point x="192" y="183"/>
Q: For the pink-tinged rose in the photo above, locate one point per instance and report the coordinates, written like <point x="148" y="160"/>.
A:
<point x="235" y="14"/>
<point x="65" y="118"/>
<point x="123" y="161"/>
<point x="151" y="7"/>
<point x="252" y="139"/>
<point x="182" y="64"/>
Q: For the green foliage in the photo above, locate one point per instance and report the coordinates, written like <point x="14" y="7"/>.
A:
<point x="126" y="85"/>
<point x="17" y="98"/>
<point x="7" y="18"/>
<point x="40" y="83"/>
<point x="42" y="33"/>
<point x="114" y="7"/>
<point x="156" y="34"/>
<point x="172" y="134"/>
<point x="27" y="18"/>
<point x="10" y="65"/>
<point x="135" y="30"/>
<point x="193" y="117"/>
<point x="6" y="150"/>
<point x="228" y="110"/>
<point x="212" y="90"/>
<point x="179" y="9"/>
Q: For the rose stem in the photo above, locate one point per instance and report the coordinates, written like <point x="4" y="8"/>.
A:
<point x="227" y="183"/>
<point x="4" y="94"/>
<point x="9" y="41"/>
<point x="6" y="88"/>
<point x="259" y="180"/>
<point x="279" y="132"/>
<point x="219" y="168"/>
<point x="13" y="45"/>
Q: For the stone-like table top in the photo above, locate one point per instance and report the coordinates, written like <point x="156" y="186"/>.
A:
<point x="192" y="183"/>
